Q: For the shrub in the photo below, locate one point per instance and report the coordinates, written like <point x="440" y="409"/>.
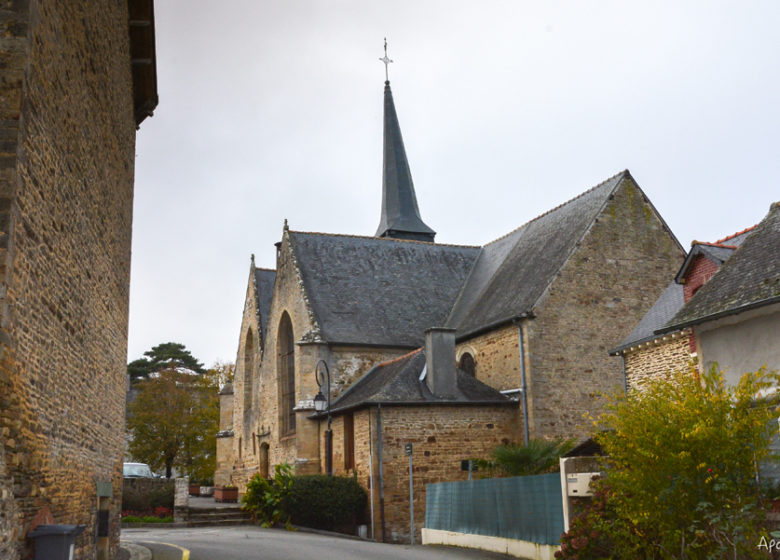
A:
<point x="265" y="498"/>
<point x="327" y="502"/>
<point x="681" y="471"/>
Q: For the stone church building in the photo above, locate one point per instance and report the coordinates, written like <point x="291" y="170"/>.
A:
<point x="77" y="78"/>
<point x="455" y="349"/>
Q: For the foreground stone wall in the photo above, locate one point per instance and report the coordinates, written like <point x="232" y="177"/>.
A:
<point x="67" y="143"/>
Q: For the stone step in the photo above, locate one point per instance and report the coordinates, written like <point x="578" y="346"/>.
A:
<point x="218" y="516"/>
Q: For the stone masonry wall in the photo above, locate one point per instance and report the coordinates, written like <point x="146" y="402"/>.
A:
<point x="656" y="359"/>
<point x="496" y="356"/>
<point x="442" y="436"/>
<point x="67" y="143"/>
<point x="618" y="271"/>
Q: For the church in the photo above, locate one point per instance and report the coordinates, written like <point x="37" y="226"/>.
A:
<point x="452" y="349"/>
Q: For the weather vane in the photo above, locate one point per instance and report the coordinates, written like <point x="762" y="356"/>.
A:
<point x="387" y="61"/>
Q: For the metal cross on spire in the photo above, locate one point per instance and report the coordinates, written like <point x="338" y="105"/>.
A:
<point x="387" y="61"/>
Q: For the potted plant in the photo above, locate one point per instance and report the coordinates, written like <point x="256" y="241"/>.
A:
<point x="226" y="494"/>
<point x="194" y="487"/>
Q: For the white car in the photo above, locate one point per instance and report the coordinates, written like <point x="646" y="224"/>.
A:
<point x="137" y="470"/>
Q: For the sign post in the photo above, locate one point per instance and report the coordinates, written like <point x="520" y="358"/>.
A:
<point x="408" y="449"/>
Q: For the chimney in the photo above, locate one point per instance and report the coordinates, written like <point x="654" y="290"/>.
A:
<point x="442" y="377"/>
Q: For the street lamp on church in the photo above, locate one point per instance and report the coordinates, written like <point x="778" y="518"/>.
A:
<point x="321" y="404"/>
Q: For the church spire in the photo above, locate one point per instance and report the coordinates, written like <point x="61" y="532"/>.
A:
<point x="400" y="216"/>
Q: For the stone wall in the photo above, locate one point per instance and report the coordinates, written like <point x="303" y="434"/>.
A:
<point x="442" y="436"/>
<point x="67" y="148"/>
<point x="656" y="359"/>
<point x="497" y="357"/>
<point x="619" y="269"/>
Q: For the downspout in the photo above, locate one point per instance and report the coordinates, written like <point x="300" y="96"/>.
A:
<point x="523" y="386"/>
<point x="625" y="377"/>
<point x="381" y="467"/>
<point x="371" y="471"/>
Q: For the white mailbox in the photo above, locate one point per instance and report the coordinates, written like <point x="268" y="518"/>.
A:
<point x="578" y="484"/>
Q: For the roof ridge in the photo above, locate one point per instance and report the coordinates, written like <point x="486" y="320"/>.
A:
<point x="399" y="358"/>
<point x="713" y="244"/>
<point x="733" y="235"/>
<point x="386" y="239"/>
<point x="551" y="210"/>
<point x="266" y="269"/>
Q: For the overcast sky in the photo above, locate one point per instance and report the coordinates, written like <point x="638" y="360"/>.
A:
<point x="273" y="109"/>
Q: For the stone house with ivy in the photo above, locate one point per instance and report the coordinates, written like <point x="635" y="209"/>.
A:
<point x="454" y="349"/>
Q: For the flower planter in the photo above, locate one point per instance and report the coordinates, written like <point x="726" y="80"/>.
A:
<point x="225" y="494"/>
<point x="194" y="489"/>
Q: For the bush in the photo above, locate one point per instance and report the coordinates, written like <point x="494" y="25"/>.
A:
<point x="317" y="501"/>
<point x="265" y="498"/>
<point x="681" y="471"/>
<point x="327" y="502"/>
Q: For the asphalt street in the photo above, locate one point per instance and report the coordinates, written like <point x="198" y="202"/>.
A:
<point x="250" y="543"/>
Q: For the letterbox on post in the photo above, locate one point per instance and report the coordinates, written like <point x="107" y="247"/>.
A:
<point x="55" y="542"/>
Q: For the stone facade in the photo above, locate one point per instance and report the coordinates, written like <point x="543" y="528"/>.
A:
<point x="67" y="150"/>
<point x="619" y="268"/>
<point x="656" y="359"/>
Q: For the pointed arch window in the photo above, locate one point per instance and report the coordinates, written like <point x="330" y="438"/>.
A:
<point x="249" y="368"/>
<point x="286" y="375"/>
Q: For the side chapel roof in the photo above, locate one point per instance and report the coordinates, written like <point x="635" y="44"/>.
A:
<point x="513" y="272"/>
<point x="397" y="382"/>
<point x="749" y="279"/>
<point x="379" y="291"/>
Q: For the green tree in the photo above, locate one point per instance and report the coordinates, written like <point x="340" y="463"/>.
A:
<point x="681" y="470"/>
<point x="168" y="355"/>
<point x="174" y="419"/>
<point x="539" y="456"/>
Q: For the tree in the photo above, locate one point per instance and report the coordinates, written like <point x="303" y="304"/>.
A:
<point x="539" y="456"/>
<point x="168" y="355"/>
<point x="174" y="420"/>
<point x="681" y="470"/>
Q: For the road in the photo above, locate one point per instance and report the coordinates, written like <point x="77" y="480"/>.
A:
<point x="250" y="543"/>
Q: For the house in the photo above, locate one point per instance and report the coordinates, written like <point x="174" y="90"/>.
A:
<point x="454" y="349"/>
<point x="723" y="308"/>
<point x="78" y="78"/>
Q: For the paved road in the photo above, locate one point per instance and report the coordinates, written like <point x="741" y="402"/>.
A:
<point x="250" y="543"/>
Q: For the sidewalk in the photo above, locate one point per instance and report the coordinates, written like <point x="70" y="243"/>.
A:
<point x="131" y="551"/>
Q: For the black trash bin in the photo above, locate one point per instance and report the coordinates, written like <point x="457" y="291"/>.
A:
<point x="55" y="542"/>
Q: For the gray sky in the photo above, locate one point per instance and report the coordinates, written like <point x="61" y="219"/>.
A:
<point x="273" y="109"/>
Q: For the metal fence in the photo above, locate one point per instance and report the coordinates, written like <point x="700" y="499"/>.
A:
<point x="527" y="508"/>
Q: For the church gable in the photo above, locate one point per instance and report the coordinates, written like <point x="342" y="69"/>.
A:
<point x="513" y="272"/>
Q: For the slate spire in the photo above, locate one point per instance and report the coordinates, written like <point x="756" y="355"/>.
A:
<point x="400" y="217"/>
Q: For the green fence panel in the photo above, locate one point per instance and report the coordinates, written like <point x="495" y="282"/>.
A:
<point x="527" y="508"/>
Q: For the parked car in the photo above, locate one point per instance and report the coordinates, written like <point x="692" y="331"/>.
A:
<point x="137" y="470"/>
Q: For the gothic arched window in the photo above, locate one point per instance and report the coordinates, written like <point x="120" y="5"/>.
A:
<point x="285" y="344"/>
<point x="249" y="368"/>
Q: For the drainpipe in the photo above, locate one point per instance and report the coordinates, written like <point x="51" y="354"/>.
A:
<point x="381" y="469"/>
<point x="523" y="386"/>
<point x="625" y="377"/>
<point x="371" y="470"/>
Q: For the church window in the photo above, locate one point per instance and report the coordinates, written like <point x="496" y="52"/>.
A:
<point x="249" y="368"/>
<point x="349" y="442"/>
<point x="468" y="364"/>
<point x="286" y="375"/>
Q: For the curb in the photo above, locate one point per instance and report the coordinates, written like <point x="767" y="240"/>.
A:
<point x="137" y="552"/>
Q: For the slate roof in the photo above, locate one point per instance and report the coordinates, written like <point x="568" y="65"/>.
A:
<point x="400" y="215"/>
<point x="716" y="253"/>
<point x="667" y="305"/>
<point x="379" y="291"/>
<point x="513" y="272"/>
<point x="264" y="288"/>
<point x="397" y="382"/>
<point x="749" y="279"/>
